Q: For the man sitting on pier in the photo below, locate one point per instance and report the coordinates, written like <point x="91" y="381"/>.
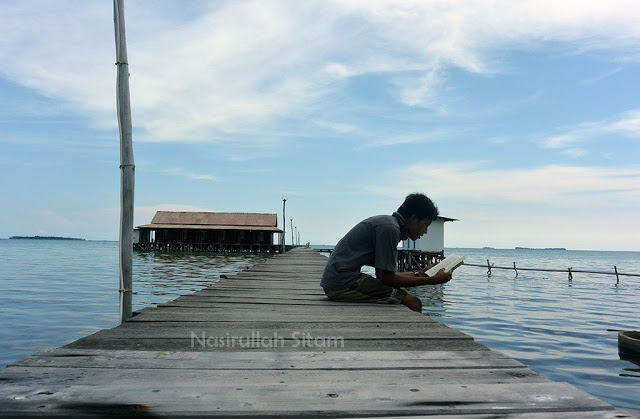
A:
<point x="374" y="242"/>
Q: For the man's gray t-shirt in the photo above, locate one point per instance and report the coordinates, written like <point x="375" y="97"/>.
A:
<point x="372" y="242"/>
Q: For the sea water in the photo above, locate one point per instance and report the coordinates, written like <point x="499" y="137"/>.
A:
<point x="54" y="292"/>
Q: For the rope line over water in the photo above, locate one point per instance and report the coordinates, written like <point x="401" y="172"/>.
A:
<point x="569" y="271"/>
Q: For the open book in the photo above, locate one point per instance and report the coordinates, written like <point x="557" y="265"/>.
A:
<point x="449" y="264"/>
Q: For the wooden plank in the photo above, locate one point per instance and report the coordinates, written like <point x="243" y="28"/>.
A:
<point x="255" y="303"/>
<point x="293" y="324"/>
<point x="247" y="360"/>
<point x="76" y="375"/>
<point x="259" y="285"/>
<point x="311" y="279"/>
<point x="250" y="315"/>
<point x="309" y="275"/>
<point x="242" y="291"/>
<point x="174" y="395"/>
<point x="248" y="331"/>
<point x="361" y="309"/>
<point x="235" y="299"/>
<point x="388" y="329"/>
<point x="285" y="345"/>
<point x="234" y="296"/>
<point x="278" y="360"/>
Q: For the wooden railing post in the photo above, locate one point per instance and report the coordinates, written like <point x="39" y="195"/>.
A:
<point x="127" y="167"/>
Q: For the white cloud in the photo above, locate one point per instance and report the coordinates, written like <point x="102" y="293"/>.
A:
<point x="550" y="206"/>
<point x="234" y="66"/>
<point x="337" y="127"/>
<point x="181" y="172"/>
<point x="499" y="140"/>
<point x="626" y="124"/>
<point x="596" y="79"/>
<point x="575" y="152"/>
<point x="419" y="91"/>
<point x="551" y="186"/>
<point x="432" y="136"/>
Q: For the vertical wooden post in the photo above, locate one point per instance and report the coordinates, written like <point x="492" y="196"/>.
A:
<point x="284" y="225"/>
<point x="127" y="167"/>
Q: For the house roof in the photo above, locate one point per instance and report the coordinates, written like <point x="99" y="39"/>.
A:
<point x="445" y="219"/>
<point x="214" y="221"/>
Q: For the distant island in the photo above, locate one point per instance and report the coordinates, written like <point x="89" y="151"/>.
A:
<point x="43" y="238"/>
<point x="538" y="248"/>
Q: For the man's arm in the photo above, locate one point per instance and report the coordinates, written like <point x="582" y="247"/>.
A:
<point x="408" y="279"/>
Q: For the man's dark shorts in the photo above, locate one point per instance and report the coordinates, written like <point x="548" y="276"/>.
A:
<point x="368" y="290"/>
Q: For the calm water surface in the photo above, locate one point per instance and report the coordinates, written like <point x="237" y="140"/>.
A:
<point x="52" y="293"/>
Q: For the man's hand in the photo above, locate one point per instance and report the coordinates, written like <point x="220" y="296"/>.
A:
<point x="440" y="277"/>
<point x="423" y="271"/>
<point x="408" y="279"/>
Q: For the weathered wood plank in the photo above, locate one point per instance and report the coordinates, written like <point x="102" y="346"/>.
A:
<point x="386" y="329"/>
<point x="293" y="324"/>
<point x="247" y="331"/>
<point x="64" y="357"/>
<point x="259" y="285"/>
<point x="285" y="345"/>
<point x="346" y="309"/>
<point x="262" y="292"/>
<point x="310" y="279"/>
<point x="280" y="300"/>
<point x="173" y="395"/>
<point x="77" y="375"/>
<point x="345" y="360"/>
<point x="234" y="296"/>
<point x="249" y="315"/>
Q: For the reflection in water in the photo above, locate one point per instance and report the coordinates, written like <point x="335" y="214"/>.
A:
<point x="433" y="299"/>
<point x="635" y="359"/>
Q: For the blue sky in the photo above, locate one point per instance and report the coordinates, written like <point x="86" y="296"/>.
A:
<point x="521" y="119"/>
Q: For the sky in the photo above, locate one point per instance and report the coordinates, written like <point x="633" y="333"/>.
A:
<point x="519" y="119"/>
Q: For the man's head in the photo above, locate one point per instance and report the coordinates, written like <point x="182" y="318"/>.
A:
<point x="418" y="212"/>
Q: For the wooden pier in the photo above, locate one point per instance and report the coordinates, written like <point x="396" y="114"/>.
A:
<point x="268" y="342"/>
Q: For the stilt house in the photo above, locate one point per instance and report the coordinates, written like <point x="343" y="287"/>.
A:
<point x="209" y="232"/>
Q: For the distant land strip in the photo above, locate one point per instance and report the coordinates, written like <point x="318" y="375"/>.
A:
<point x="43" y="238"/>
<point x="539" y="248"/>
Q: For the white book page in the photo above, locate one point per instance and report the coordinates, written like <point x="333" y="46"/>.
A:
<point x="449" y="263"/>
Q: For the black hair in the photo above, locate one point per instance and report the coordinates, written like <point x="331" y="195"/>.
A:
<point x="420" y="205"/>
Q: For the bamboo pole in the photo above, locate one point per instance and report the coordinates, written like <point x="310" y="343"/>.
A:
<point x="284" y="225"/>
<point x="127" y="167"/>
